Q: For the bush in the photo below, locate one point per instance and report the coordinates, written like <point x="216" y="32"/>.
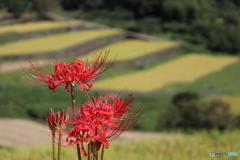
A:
<point x="149" y="25"/>
<point x="187" y="112"/>
<point x="17" y="7"/>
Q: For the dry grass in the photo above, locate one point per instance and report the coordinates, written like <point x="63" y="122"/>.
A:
<point x="132" y="49"/>
<point x="182" y="70"/>
<point x="37" y="26"/>
<point x="54" y="43"/>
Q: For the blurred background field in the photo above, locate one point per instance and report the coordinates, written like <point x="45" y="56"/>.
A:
<point x="180" y="59"/>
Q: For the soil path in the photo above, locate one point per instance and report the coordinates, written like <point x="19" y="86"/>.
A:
<point x="12" y="66"/>
<point x="27" y="133"/>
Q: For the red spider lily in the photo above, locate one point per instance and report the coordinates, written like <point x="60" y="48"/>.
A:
<point x="56" y="121"/>
<point x="102" y="119"/>
<point x="77" y="71"/>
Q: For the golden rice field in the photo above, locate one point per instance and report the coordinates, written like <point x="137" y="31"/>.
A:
<point x="132" y="49"/>
<point x="233" y="101"/>
<point x="37" y="26"/>
<point x="54" y="43"/>
<point x="185" y="69"/>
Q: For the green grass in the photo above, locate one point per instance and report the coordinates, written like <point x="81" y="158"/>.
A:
<point x="54" y="43"/>
<point x="196" y="146"/>
<point x="34" y="102"/>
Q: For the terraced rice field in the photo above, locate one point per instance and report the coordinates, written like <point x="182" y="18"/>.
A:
<point x="233" y="101"/>
<point x="185" y="69"/>
<point x="54" y="43"/>
<point x="37" y="26"/>
<point x="132" y="49"/>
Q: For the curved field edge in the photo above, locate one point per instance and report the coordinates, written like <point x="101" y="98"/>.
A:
<point x="132" y="49"/>
<point x="55" y="42"/>
<point x="37" y="26"/>
<point x="196" y="146"/>
<point x="185" y="69"/>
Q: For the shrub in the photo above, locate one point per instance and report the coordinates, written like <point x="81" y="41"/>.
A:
<point x="187" y="112"/>
<point x="149" y="25"/>
<point x="17" y="7"/>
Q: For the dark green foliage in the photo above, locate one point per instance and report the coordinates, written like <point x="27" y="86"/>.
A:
<point x="224" y="38"/>
<point x="17" y="7"/>
<point x="70" y="4"/>
<point x="149" y="25"/>
<point x="187" y="112"/>
<point x="183" y="98"/>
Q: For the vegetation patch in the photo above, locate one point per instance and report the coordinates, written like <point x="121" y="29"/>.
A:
<point x="185" y="69"/>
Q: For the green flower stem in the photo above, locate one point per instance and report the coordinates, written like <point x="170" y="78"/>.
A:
<point x="95" y="152"/>
<point x="73" y="99"/>
<point x="102" y="152"/>
<point x="72" y="85"/>
<point x="59" y="147"/>
<point x="89" y="152"/>
<point x="53" y="146"/>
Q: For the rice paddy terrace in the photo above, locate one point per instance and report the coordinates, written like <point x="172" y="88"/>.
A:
<point x="185" y="69"/>
<point x="131" y="49"/>
<point x="37" y="26"/>
<point x="54" y="43"/>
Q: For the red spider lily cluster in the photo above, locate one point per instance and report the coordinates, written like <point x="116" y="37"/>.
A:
<point x="99" y="120"/>
<point x="77" y="71"/>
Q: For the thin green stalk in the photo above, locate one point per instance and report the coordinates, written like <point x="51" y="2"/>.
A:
<point x="95" y="153"/>
<point x="72" y="85"/>
<point x="59" y="147"/>
<point x="89" y="152"/>
<point x="102" y="152"/>
<point x="73" y="99"/>
<point x="53" y="146"/>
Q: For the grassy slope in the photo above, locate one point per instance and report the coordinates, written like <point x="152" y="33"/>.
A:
<point x="197" y="146"/>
